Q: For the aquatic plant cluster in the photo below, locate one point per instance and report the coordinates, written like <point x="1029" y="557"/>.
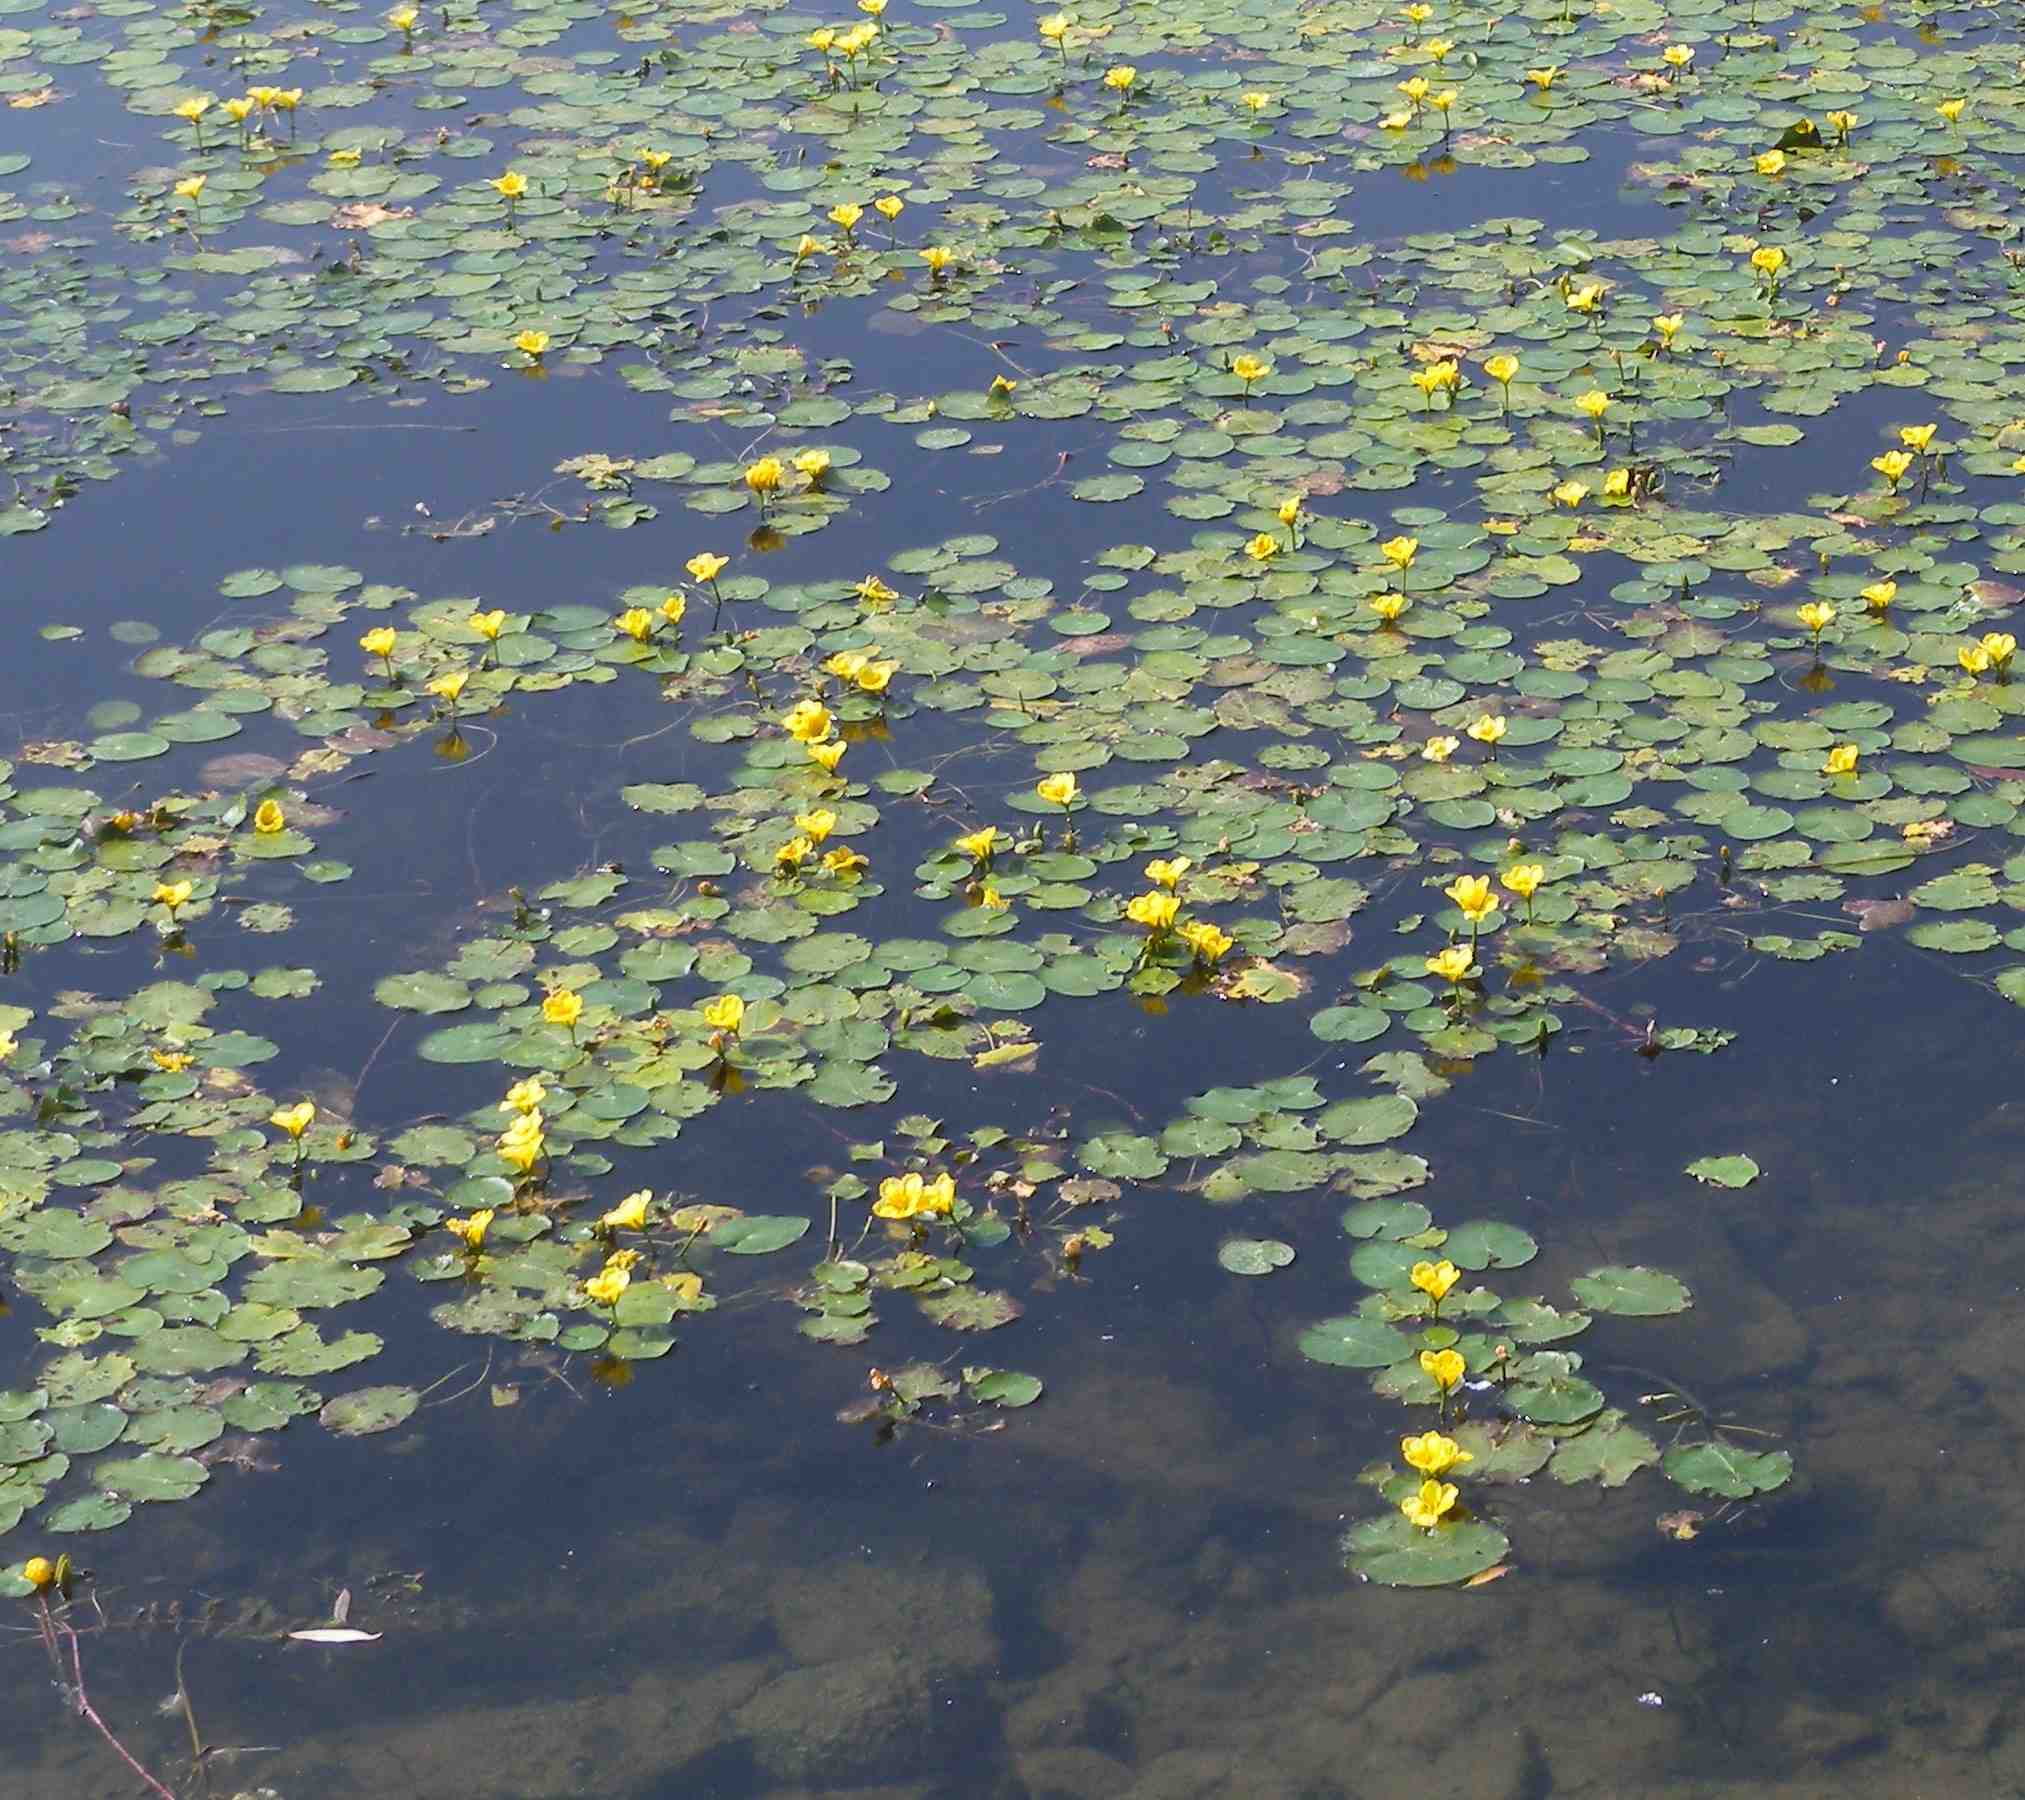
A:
<point x="1431" y="611"/>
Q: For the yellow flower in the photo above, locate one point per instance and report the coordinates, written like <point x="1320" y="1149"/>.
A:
<point x="1438" y="49"/>
<point x="1454" y="965"/>
<point x="724" y="1012"/>
<point x="806" y="246"/>
<point x="1543" y="79"/>
<point x="938" y="258"/>
<point x="890" y="207"/>
<point x="939" y="1196"/>
<point x="764" y="476"/>
<point x="471" y="1231"/>
<point x="1121" y="78"/>
<point x="1439" y="749"/>
<point x="992" y="900"/>
<point x="1770" y="162"/>
<point x="488" y="625"/>
<point x="817" y="825"/>
<point x="1249" y="369"/>
<point x="194" y="109"/>
<point x="1444" y="1367"/>
<point x="1435" y="1279"/>
<point x="1571" y="494"/>
<point x="807" y="721"/>
<point x="1418" y="13"/>
<point x="1432" y="1454"/>
<point x="703" y="566"/>
<point x="874" y="677"/>
<point x="845" y="216"/>
<point x="979" y="845"/>
<point x="1442" y="101"/>
<point x="238" y="110"/>
<point x="900" y="1197"/>
<point x="827" y="756"/>
<point x="1058" y="790"/>
<point x="1471" y="895"/>
<point x="511" y="185"/>
<point x="844" y="862"/>
<point x="1000" y="387"/>
<point x="1397" y="121"/>
<point x="656" y="160"/>
<point x="1999" y="647"/>
<point x="171" y="1062"/>
<point x="1501" y="367"/>
<point x="1255" y="102"/>
<point x="812" y="465"/>
<point x="1155" y="910"/>
<point x="1816" y="615"/>
<point x="875" y="593"/>
<point x="874" y="7"/>
<point x="608" y="1286"/>
<point x="1289" y="512"/>
<point x="1054" y="27"/>
<point x="1524" y="880"/>
<point x="449" y="687"/>
<point x="345" y="159"/>
<point x="1425" y="1508"/>
<point x="1668" y="326"/>
<point x="845" y="664"/>
<point x="1595" y="403"/>
<point x="520" y="1146"/>
<point x="1263" y="548"/>
<point x="562" y="1007"/>
<point x="1677" y="56"/>
<point x="630" y="1214"/>
<point x="1951" y="110"/>
<point x="793" y="853"/>
<point x="171" y="894"/>
<point x="268" y="818"/>
<point x="403" y="18"/>
<point x="1586" y="299"/>
<point x="1167" y="873"/>
<point x="39" y="1572"/>
<point x="822" y="38"/>
<point x="1768" y="259"/>
<point x="1617" y="485"/>
<point x="1209" y="943"/>
<point x="1892" y="465"/>
<point x="1400" y="552"/>
<point x="1974" y="658"/>
<point x="636" y="622"/>
<point x="1387" y="606"/>
<point x="1841" y="760"/>
<point x="1880" y="594"/>
<point x="1844" y="122"/>
<point x="190" y="187"/>
<point x="1489" y="729"/>
<point x="1917" y="437"/>
<point x="1415" y="88"/>
<point x="525" y="1096"/>
<point x="294" y="1120"/>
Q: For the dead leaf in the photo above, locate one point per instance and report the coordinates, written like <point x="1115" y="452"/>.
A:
<point x="1682" y="1527"/>
<point x="335" y="1634"/>
<point x="1878" y="915"/>
<point x="363" y="215"/>
<point x="1484" y="1576"/>
<point x="35" y="97"/>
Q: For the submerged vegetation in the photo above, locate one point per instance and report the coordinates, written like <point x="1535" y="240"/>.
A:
<point x="1397" y="630"/>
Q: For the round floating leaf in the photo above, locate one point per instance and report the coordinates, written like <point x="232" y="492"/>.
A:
<point x="1394" y="1553"/>
<point x="756" y="1234"/>
<point x="1486" y="1244"/>
<point x="1721" y="1469"/>
<point x="1554" y="1399"/>
<point x="1254" y="1256"/>
<point x="1371" y="1121"/>
<point x="151" y="1477"/>
<point x="1355" y="1342"/>
<point x="1002" y="1387"/>
<point x="1637" y="1291"/>
<point x="1611" y="1451"/>
<point x="1724" y="1171"/>
<point x="1393" y="1219"/>
<point x="369" y="1410"/>
<point x="423" y="993"/>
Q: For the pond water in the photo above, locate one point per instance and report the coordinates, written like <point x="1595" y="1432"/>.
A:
<point x="1349" y="796"/>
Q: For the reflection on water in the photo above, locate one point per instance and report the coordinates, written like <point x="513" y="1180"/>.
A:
<point x="695" y="1584"/>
